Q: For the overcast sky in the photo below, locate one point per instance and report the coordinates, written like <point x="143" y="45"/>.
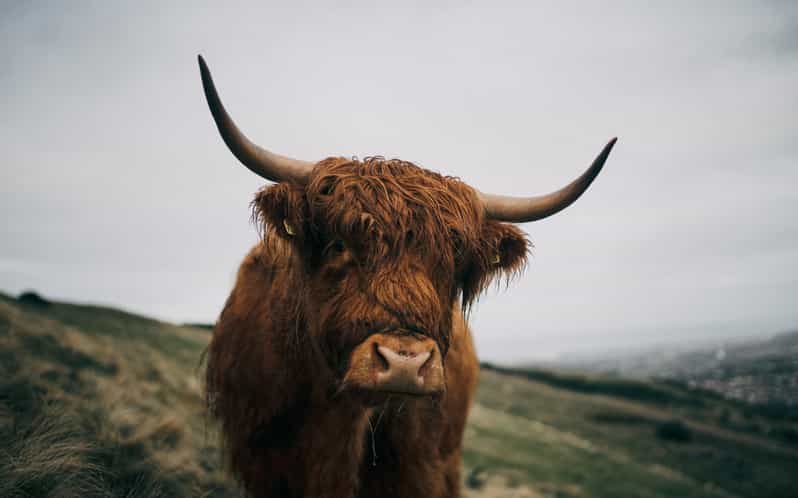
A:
<point x="116" y="188"/>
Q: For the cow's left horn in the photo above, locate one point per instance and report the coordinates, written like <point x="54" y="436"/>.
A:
<point x="523" y="209"/>
<point x="267" y="164"/>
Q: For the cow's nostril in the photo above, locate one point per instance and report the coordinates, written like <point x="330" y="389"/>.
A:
<point x="422" y="370"/>
<point x="383" y="361"/>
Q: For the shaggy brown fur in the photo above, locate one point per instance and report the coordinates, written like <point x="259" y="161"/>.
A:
<point x="365" y="246"/>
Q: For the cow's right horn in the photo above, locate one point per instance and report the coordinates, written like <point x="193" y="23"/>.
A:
<point x="523" y="209"/>
<point x="267" y="164"/>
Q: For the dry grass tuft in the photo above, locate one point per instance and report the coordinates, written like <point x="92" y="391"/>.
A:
<point x="91" y="415"/>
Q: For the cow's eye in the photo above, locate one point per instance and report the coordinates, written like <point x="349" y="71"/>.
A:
<point x="337" y="246"/>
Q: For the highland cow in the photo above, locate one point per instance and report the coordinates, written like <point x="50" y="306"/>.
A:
<point x="342" y="365"/>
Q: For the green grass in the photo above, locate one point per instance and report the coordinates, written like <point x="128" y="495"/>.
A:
<point x="99" y="402"/>
<point x="775" y="420"/>
<point x="584" y="433"/>
<point x="661" y="393"/>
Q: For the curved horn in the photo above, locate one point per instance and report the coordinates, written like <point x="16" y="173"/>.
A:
<point x="523" y="209"/>
<point x="262" y="162"/>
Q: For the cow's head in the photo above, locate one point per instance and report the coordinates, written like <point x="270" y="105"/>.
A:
<point x="387" y="250"/>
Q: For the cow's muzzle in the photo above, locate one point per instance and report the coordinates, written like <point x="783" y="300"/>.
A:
<point x="396" y="364"/>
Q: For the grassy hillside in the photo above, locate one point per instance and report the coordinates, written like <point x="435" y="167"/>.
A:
<point x="98" y="402"/>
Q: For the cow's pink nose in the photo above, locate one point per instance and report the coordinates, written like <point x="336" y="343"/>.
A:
<point x="398" y="364"/>
<point x="401" y="369"/>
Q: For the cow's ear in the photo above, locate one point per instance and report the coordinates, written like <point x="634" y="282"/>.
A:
<point x="282" y="208"/>
<point x="501" y="252"/>
<point x="505" y="247"/>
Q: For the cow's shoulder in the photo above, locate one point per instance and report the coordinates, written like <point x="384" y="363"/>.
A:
<point x="264" y="293"/>
<point x="271" y="253"/>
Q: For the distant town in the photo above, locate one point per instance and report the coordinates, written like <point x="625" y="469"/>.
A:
<point x="754" y="371"/>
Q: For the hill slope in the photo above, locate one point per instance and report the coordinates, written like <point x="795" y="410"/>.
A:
<point x="99" y="402"/>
